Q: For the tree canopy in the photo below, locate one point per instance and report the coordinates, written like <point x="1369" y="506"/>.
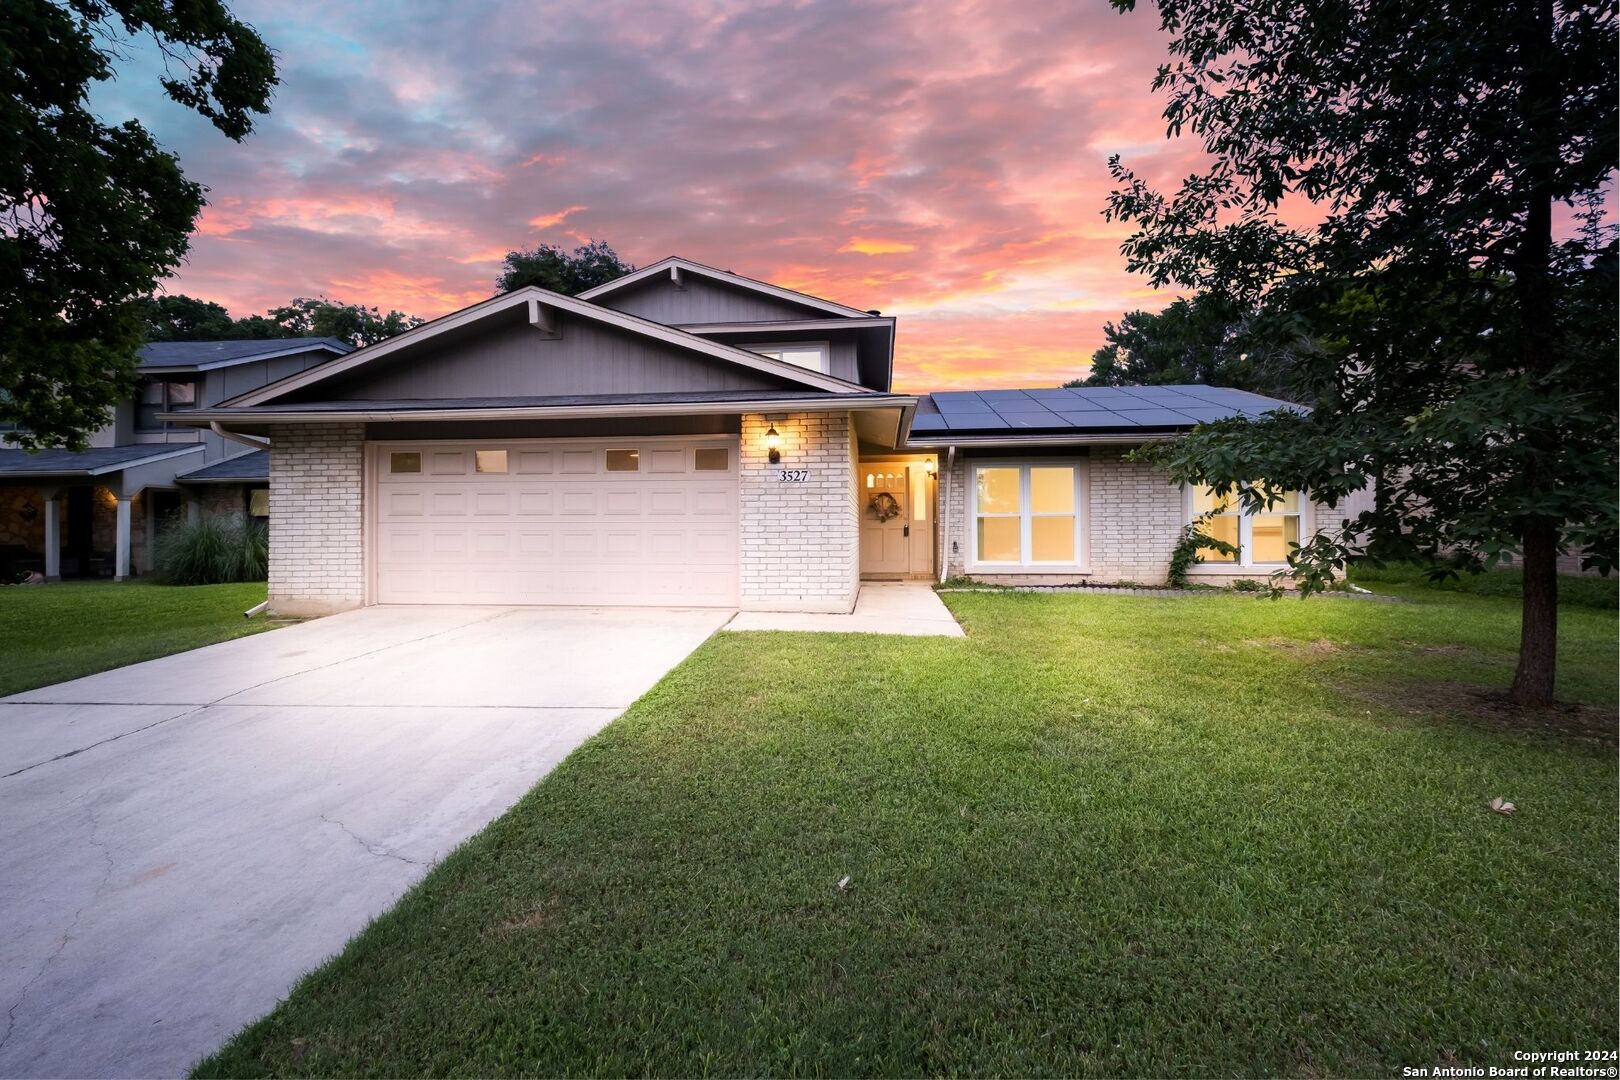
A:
<point x="569" y="273"/>
<point x="1382" y="186"/>
<point x="93" y="215"/>
<point x="177" y="317"/>
<point x="1201" y="340"/>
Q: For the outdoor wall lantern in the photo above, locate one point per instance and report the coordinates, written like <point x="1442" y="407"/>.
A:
<point x="928" y="466"/>
<point x="773" y="443"/>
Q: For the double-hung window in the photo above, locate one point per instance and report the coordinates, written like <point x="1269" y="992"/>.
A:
<point x="1263" y="538"/>
<point x="805" y="354"/>
<point x="161" y="396"/>
<point x="1027" y="515"/>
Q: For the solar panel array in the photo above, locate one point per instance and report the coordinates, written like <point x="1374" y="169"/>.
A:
<point x="1085" y="409"/>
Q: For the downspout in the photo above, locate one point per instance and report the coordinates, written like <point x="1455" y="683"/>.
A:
<point x="945" y="513"/>
<point x="236" y="436"/>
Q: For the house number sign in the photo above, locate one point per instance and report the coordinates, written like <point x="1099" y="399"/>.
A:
<point x="792" y="476"/>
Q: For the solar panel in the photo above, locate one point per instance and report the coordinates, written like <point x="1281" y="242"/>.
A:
<point x="1089" y="408"/>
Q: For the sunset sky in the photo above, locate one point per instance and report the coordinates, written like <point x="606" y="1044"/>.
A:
<point x="943" y="160"/>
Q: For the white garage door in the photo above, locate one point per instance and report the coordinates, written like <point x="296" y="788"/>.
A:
<point x="637" y="521"/>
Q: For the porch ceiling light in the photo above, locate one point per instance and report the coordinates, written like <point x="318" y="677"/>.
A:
<point x="773" y="443"/>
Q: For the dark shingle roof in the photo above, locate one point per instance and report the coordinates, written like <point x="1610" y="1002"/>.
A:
<point x="165" y="354"/>
<point x="92" y="462"/>
<point x="251" y="466"/>
<point x="1083" y="410"/>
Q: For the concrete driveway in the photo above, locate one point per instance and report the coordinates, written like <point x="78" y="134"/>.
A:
<point x="180" y="840"/>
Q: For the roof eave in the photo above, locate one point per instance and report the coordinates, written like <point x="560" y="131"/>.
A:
<point x="237" y="416"/>
<point x="969" y="440"/>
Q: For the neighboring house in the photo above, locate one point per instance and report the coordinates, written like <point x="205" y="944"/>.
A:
<point x="96" y="513"/>
<point x="686" y="436"/>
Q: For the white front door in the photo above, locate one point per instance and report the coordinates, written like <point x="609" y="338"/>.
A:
<point x="636" y="521"/>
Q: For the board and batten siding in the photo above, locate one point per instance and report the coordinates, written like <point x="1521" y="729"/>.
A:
<point x="516" y="360"/>
<point x="699" y="300"/>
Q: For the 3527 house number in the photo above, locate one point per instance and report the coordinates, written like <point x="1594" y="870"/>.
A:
<point x="792" y="476"/>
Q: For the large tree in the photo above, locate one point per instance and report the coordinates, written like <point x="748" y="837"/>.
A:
<point x="93" y="215"/>
<point x="1389" y="177"/>
<point x="1202" y="340"/>
<point x="178" y="317"/>
<point x="569" y="273"/>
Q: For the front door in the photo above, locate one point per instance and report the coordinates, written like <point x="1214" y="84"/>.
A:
<point x="885" y="525"/>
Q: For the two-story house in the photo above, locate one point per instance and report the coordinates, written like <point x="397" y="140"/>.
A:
<point x="96" y="512"/>
<point x="688" y="436"/>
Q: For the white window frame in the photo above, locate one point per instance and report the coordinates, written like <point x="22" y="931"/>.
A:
<point x="824" y="347"/>
<point x="1307" y="525"/>
<point x="1082" y="490"/>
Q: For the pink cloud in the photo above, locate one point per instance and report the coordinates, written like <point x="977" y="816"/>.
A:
<point x="942" y="160"/>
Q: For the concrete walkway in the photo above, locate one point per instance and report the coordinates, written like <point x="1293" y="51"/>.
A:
<point x="883" y="607"/>
<point x="180" y="840"/>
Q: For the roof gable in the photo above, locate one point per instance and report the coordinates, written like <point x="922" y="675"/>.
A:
<point x="540" y="309"/>
<point x="676" y="271"/>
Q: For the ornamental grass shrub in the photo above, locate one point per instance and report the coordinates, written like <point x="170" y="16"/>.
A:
<point x="212" y="551"/>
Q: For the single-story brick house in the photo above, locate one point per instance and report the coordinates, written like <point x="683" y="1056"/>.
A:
<point x="687" y="436"/>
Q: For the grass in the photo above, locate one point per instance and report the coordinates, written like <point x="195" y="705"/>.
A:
<point x="1104" y="835"/>
<point x="1574" y="590"/>
<point x="63" y="631"/>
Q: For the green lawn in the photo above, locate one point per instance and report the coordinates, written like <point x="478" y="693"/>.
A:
<point x="1104" y="835"/>
<point x="53" y="632"/>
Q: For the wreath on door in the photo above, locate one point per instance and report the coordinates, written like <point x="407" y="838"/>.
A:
<point x="884" y="506"/>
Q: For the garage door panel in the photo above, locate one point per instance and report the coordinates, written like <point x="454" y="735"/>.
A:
<point x="532" y="462"/>
<point x="558" y="527"/>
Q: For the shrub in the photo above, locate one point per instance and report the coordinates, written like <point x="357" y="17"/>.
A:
<point x="1185" y="555"/>
<point x="212" y="551"/>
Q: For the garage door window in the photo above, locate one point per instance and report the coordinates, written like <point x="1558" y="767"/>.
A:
<point x="623" y="460"/>
<point x="490" y="461"/>
<point x="712" y="459"/>
<point x="404" y="462"/>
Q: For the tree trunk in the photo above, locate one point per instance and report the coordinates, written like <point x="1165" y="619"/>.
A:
<point x="1532" y="283"/>
<point x="1538" y="634"/>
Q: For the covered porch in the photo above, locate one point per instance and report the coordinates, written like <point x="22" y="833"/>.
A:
<point x="86" y="514"/>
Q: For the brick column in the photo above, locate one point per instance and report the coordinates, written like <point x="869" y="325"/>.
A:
<point x="800" y="542"/>
<point x="317" y="523"/>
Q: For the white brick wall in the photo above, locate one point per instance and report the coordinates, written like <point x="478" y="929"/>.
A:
<point x="317" y="523"/>
<point x="1133" y="519"/>
<point x="800" y="542"/>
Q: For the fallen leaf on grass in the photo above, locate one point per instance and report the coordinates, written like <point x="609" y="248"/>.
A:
<point x="1502" y="806"/>
<point x="843" y="883"/>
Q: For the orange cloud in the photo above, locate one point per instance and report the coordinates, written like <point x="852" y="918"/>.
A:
<point x="863" y="245"/>
<point x="546" y="221"/>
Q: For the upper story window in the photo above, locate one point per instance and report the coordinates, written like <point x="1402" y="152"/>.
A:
<point x="161" y="396"/>
<point x="806" y="354"/>
<point x="1261" y="539"/>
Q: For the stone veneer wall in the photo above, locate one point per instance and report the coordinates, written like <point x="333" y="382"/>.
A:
<point x="317" y="525"/>
<point x="800" y="542"/>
